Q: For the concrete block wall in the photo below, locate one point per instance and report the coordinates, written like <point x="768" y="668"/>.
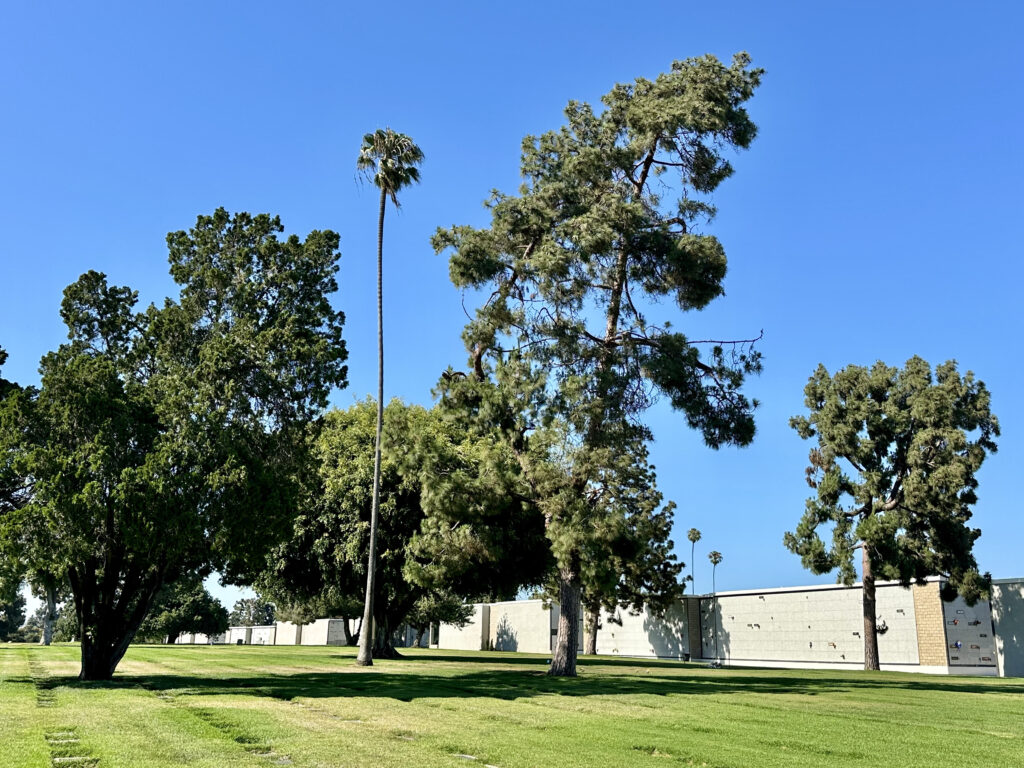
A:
<point x="931" y="633"/>
<point x="808" y="626"/>
<point x="264" y="635"/>
<point x="522" y="625"/>
<point x="969" y="640"/>
<point x="472" y="637"/>
<point x="239" y="633"/>
<point x="335" y="631"/>
<point x="288" y="633"/>
<point x="1008" y="625"/>
<point x="623" y="633"/>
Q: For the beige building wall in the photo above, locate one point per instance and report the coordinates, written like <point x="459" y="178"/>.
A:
<point x="969" y="636"/>
<point x="931" y="632"/>
<point x="472" y="637"/>
<point x="523" y="625"/>
<point x="315" y="633"/>
<point x="815" y="626"/>
<point x="1008" y="623"/>
<point x="288" y="633"/>
<point x="239" y="633"/>
<point x="263" y="635"/>
<point x="624" y="633"/>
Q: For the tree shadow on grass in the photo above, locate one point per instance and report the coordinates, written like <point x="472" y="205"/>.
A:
<point x="517" y="683"/>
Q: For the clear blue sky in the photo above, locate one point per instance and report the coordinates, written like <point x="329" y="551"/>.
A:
<point x="878" y="215"/>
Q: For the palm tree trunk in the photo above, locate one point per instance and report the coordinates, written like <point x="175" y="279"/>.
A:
<point x="714" y="608"/>
<point x="365" y="657"/>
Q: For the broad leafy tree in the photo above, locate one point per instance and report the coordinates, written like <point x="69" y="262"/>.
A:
<point x="575" y="337"/>
<point x="391" y="160"/>
<point x="167" y="441"/>
<point x="894" y="474"/>
<point x="252" y="612"/>
<point x="324" y="563"/>
<point x="184" y="607"/>
<point x="12" y="609"/>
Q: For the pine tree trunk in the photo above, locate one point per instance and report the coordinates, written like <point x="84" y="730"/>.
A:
<point x="563" y="658"/>
<point x="365" y="657"/>
<point x="591" y="622"/>
<point x="50" y="618"/>
<point x="871" y="660"/>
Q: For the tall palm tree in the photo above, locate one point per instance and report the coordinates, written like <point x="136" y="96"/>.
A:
<point x="715" y="557"/>
<point x="694" y="536"/>
<point x="390" y="161"/>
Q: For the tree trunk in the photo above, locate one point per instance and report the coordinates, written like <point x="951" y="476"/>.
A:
<point x="109" y="618"/>
<point x="102" y="650"/>
<point x="383" y="647"/>
<point x="172" y="638"/>
<point x="871" y="660"/>
<point x="365" y="657"/>
<point x="50" y="617"/>
<point x="563" y="658"/>
<point x="591" y="623"/>
<point x="350" y="639"/>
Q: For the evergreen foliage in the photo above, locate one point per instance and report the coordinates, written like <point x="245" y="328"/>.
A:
<point x="252" y="612"/>
<point x="572" y="344"/>
<point x="167" y="442"/>
<point x="184" y="607"/>
<point x="894" y="474"/>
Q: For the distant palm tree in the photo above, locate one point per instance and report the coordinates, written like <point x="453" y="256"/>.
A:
<point x="390" y="160"/>
<point x="694" y="536"/>
<point x="715" y="557"/>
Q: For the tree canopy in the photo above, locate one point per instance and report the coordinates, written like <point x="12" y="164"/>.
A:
<point x="185" y="607"/>
<point x="252" y="612"/>
<point x="319" y="570"/>
<point x="573" y="344"/>
<point x="166" y="442"/>
<point x="894" y="474"/>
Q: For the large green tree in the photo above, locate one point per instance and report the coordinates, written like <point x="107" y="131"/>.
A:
<point x="391" y="160"/>
<point x="894" y="473"/>
<point x="324" y="563"/>
<point x="573" y="341"/>
<point x="184" y="607"/>
<point x="166" y="442"/>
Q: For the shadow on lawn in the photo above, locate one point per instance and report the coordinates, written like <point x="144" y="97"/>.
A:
<point x="518" y="683"/>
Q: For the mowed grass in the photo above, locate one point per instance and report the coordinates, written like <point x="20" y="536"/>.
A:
<point x="266" y="706"/>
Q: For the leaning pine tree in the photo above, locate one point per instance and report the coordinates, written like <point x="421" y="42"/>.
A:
<point x="894" y="475"/>
<point x="566" y="354"/>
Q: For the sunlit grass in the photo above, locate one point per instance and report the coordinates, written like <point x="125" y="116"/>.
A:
<point x="259" y="706"/>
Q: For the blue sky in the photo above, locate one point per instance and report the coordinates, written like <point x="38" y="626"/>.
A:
<point x="878" y="215"/>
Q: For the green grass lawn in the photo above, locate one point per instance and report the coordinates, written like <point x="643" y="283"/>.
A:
<point x="254" y="706"/>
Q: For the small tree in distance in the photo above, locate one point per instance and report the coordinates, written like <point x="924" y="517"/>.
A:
<point x="252" y="612"/>
<point x="894" y="476"/>
<point x="715" y="557"/>
<point x="694" y="536"/>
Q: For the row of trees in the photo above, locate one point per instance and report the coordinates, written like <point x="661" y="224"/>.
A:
<point x="165" y="443"/>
